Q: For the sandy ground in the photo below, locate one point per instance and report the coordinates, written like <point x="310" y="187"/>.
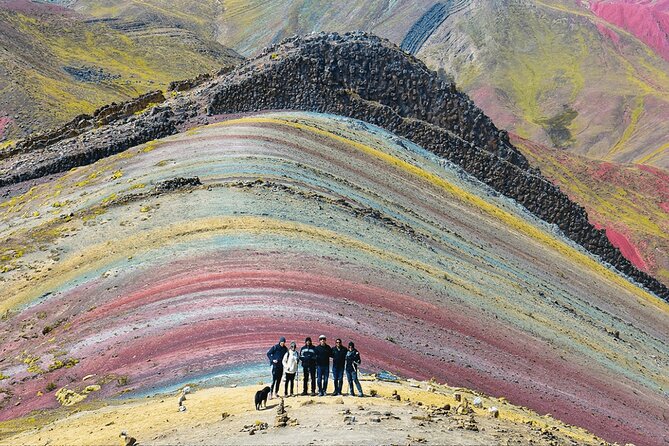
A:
<point x="221" y="415"/>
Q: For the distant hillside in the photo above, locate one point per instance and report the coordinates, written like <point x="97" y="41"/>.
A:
<point x="649" y="21"/>
<point x="551" y="71"/>
<point x="56" y="63"/>
<point x="630" y="201"/>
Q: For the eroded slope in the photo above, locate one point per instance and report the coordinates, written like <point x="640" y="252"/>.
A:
<point x="305" y="224"/>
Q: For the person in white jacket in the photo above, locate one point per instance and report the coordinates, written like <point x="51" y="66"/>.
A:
<point x="290" y="362"/>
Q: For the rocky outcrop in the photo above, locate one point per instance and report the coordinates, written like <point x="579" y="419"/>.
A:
<point x="359" y="76"/>
<point x="82" y="123"/>
<point x="114" y="112"/>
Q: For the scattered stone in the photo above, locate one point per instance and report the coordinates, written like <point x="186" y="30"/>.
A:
<point x="127" y="439"/>
<point x="253" y="428"/>
<point x="225" y="415"/>
<point x="463" y="408"/>
<point x="494" y="412"/>
<point x="478" y="402"/>
<point x="421" y="417"/>
<point x="177" y="183"/>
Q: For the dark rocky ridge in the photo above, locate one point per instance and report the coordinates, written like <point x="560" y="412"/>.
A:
<point x="353" y="75"/>
<point x="83" y="123"/>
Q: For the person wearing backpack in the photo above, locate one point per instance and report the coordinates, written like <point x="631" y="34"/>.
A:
<point x="275" y="356"/>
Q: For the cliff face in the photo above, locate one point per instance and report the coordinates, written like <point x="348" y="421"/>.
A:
<point x="352" y="75"/>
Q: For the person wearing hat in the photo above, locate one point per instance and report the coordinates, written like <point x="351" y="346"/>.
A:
<point x="290" y="361"/>
<point x="275" y="355"/>
<point x="308" y="360"/>
<point x="352" y="363"/>
<point x="323" y="355"/>
<point x="338" y="360"/>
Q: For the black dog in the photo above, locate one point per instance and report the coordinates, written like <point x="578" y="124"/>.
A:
<point x="261" y="397"/>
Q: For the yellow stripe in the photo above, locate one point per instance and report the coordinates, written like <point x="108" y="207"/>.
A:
<point x="97" y="256"/>
<point x="653" y="154"/>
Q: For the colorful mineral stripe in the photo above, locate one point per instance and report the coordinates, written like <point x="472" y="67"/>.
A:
<point x="306" y="224"/>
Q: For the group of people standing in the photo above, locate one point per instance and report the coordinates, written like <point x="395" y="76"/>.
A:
<point x="315" y="360"/>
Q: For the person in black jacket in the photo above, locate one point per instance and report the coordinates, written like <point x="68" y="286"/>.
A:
<point x="352" y="363"/>
<point x="338" y="361"/>
<point x="308" y="360"/>
<point x="323" y="355"/>
<point x="275" y="356"/>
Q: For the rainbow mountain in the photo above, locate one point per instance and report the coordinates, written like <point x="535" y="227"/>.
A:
<point x="175" y="245"/>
